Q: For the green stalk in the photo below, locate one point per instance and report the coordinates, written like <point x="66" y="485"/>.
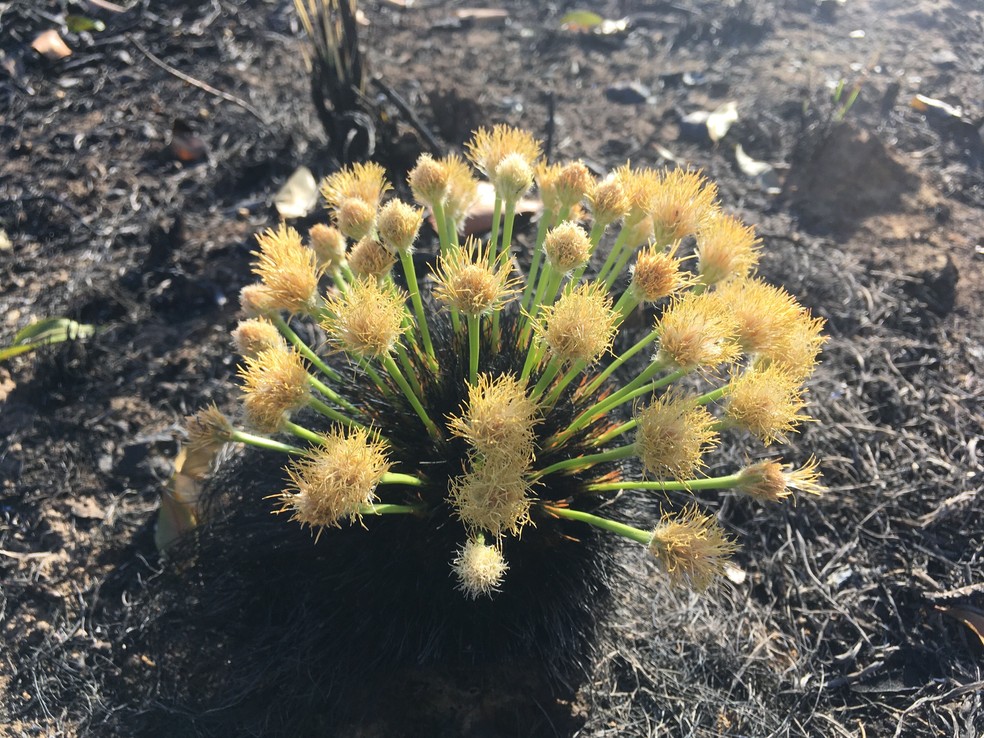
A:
<point x="330" y="412"/>
<point x="405" y="479"/>
<point x="713" y="395"/>
<point x="628" y="354"/>
<point x="726" y="482"/>
<point x="474" y="336"/>
<point x="387" y="509"/>
<point x="331" y="394"/>
<point x="616" y="432"/>
<point x="397" y="375"/>
<point x="568" y="377"/>
<point x="541" y="233"/>
<point x="507" y="228"/>
<point x="623" y="259"/>
<point x="628" y="302"/>
<point x="440" y="221"/>
<point x="401" y="354"/>
<point x="267" y="444"/>
<point x="553" y="368"/>
<point x="494" y="238"/>
<point x="626" y="531"/>
<point x="586" y="462"/>
<point x="303" y="348"/>
<point x="616" y="251"/>
<point x="301" y="432"/>
<point x="418" y="305"/>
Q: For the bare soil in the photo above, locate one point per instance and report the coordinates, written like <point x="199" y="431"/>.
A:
<point x="857" y="613"/>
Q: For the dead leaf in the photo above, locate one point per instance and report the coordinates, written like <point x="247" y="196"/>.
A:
<point x="5" y="244"/>
<point x="179" y="511"/>
<point x="298" y="196"/>
<point x="762" y="172"/>
<point x="481" y="16"/>
<point x="479" y="218"/>
<point x="969" y="616"/>
<point x="51" y="46"/>
<point x="721" y="120"/>
<point x="734" y="573"/>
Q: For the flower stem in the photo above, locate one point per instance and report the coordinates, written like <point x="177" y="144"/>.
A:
<point x="494" y="238"/>
<point x="267" y="444"/>
<point x="418" y="306"/>
<point x="407" y="480"/>
<point x="397" y="375"/>
<point x="553" y="368"/>
<point x="568" y="377"/>
<point x="387" y="509"/>
<point x="303" y="348"/>
<point x="541" y="232"/>
<point x="626" y="531"/>
<point x="331" y="394"/>
<point x="628" y="354"/>
<point x="507" y="227"/>
<point x="616" y="432"/>
<point x="440" y="223"/>
<point x="301" y="432"/>
<point x="623" y="259"/>
<point x="623" y="236"/>
<point x="330" y="412"/>
<point x="585" y="462"/>
<point x="726" y="482"/>
<point x="474" y="336"/>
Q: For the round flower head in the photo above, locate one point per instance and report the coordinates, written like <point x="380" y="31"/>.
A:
<point x="328" y="245"/>
<point x="764" y="314"/>
<point x="480" y="569"/>
<point x="462" y="190"/>
<point x="672" y="437"/>
<point x="497" y="417"/>
<point x="367" y="319"/>
<point x="657" y="274"/>
<point x="580" y="326"/>
<point x="771" y="481"/>
<point x="691" y="548"/>
<point x="766" y="402"/>
<point x="256" y="300"/>
<point x="640" y="187"/>
<point x="275" y="383"/>
<point x="726" y="248"/>
<point x="356" y="218"/>
<point x="398" y="225"/>
<point x="207" y="429"/>
<point x="696" y="331"/>
<point x="681" y="204"/>
<point x="494" y="495"/>
<point x="429" y="181"/>
<point x="562" y="186"/>
<point x="798" y="348"/>
<point x="370" y="259"/>
<point x="365" y="182"/>
<point x="567" y="247"/>
<point x="608" y="201"/>
<point x="512" y="178"/>
<point x="288" y="270"/>
<point x="336" y="480"/>
<point x="487" y="148"/>
<point x="255" y="335"/>
<point x="466" y="282"/>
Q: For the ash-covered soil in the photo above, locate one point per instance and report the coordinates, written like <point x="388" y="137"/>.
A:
<point x="856" y="615"/>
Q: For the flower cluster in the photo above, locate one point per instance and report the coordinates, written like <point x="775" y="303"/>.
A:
<point x="511" y="371"/>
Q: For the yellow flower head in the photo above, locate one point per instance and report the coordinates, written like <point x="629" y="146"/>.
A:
<point x="256" y="300"/>
<point x="370" y="259"/>
<point x="466" y="282"/>
<point x="429" y="181"/>
<point x="328" y="244"/>
<point x="562" y="186"/>
<point x="771" y="481"/>
<point x="512" y="178"/>
<point x="726" y="248"/>
<point x="480" y="569"/>
<point x="487" y="148"/>
<point x="766" y="402"/>
<point x="657" y="273"/>
<point x="567" y="247"/>
<point x="356" y="218"/>
<point x="275" y="383"/>
<point x="494" y="496"/>
<point x="367" y="319"/>
<point x="288" y="270"/>
<point x="608" y="201"/>
<point x="691" y="548"/>
<point x="256" y="335"/>
<point x="497" y="417"/>
<point x="365" y="182"/>
<point x="336" y="480"/>
<point x="580" y="326"/>
<point x="673" y="435"/>
<point x="462" y="190"/>
<point x="208" y="429"/>
<point x="680" y="204"/>
<point x="696" y="332"/>
<point x="764" y="314"/>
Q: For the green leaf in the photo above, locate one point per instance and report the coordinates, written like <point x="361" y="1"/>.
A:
<point x="581" y="20"/>
<point x="43" y="332"/>
<point x="79" y="23"/>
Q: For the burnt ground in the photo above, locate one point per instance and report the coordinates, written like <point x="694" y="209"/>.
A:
<point x="855" y="615"/>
